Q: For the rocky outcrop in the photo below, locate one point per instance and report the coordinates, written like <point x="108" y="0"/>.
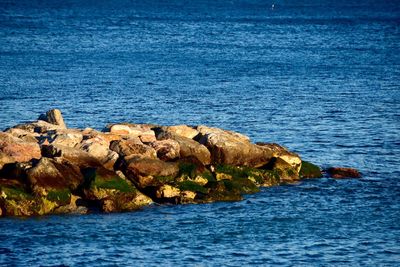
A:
<point x="46" y="168"/>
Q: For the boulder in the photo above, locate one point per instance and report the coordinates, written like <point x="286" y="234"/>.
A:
<point x="54" y="174"/>
<point x="143" y="131"/>
<point x="14" y="199"/>
<point x="132" y="147"/>
<point x="232" y="148"/>
<point x="5" y="159"/>
<point x="285" y="171"/>
<point x="278" y="151"/>
<point x="182" y="130"/>
<point x="188" y="147"/>
<point x="38" y="127"/>
<point x="309" y="170"/>
<point x="145" y="171"/>
<point x="70" y="139"/>
<point x="112" y="192"/>
<point x="24" y="135"/>
<point x="167" y="191"/>
<point x="53" y="116"/>
<point x="100" y="151"/>
<point x="17" y="149"/>
<point x="341" y="172"/>
<point x="166" y="149"/>
<point x="75" y="156"/>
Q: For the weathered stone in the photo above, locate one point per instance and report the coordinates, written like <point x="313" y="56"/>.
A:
<point x="232" y="148"/>
<point x="53" y="116"/>
<point x="341" y="172"/>
<point x="166" y="149"/>
<point x="133" y="147"/>
<point x="38" y="127"/>
<point x="72" y="207"/>
<point x="143" y="131"/>
<point x="113" y="192"/>
<point x="17" y="149"/>
<point x="67" y="139"/>
<point x="188" y="147"/>
<point x="24" y="135"/>
<point x="167" y="191"/>
<point x="279" y="151"/>
<point x="75" y="156"/>
<point x="140" y="166"/>
<point x="309" y="170"/>
<point x="285" y="171"/>
<point x="99" y="150"/>
<point x="5" y="159"/>
<point x="182" y="130"/>
<point x="54" y="174"/>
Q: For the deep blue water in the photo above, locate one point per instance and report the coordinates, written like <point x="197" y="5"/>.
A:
<point x="320" y="77"/>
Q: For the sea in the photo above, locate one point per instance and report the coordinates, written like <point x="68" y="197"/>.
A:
<point x="321" y="78"/>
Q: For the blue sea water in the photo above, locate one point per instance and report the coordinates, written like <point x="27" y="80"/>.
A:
<point x="319" y="77"/>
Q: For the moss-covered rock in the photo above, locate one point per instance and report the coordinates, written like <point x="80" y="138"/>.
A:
<point x="111" y="192"/>
<point x="309" y="170"/>
<point x="259" y="177"/>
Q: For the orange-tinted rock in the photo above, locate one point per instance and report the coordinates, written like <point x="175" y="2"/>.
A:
<point x="132" y="147"/>
<point x="76" y="156"/>
<point x="166" y="149"/>
<point x="154" y="167"/>
<point x="54" y="173"/>
<point x="182" y="130"/>
<point x="232" y="148"/>
<point x="188" y="147"/>
<point x="17" y="149"/>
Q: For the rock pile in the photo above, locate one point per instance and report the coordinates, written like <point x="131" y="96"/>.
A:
<point x="46" y="168"/>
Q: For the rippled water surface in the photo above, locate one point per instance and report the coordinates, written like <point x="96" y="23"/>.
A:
<point x="321" y="78"/>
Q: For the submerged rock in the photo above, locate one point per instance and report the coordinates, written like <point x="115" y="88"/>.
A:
<point x="341" y="172"/>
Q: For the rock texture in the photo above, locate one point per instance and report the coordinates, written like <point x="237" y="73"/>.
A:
<point x="46" y="168"/>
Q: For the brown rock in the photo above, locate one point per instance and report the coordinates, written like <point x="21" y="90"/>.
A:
<point x="17" y="149"/>
<point x="98" y="148"/>
<point x="167" y="191"/>
<point x="188" y="147"/>
<point x="282" y="153"/>
<point x="67" y="139"/>
<point x="143" y="131"/>
<point x="132" y="147"/>
<point x="75" y="156"/>
<point x="55" y="174"/>
<point x="166" y="149"/>
<point x="5" y="159"/>
<point x="182" y="130"/>
<point x="150" y="167"/>
<point x="24" y="135"/>
<point x="232" y="148"/>
<point x="340" y="173"/>
<point x="38" y="127"/>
